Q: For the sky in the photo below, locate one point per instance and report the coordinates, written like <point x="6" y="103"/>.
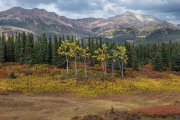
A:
<point x="167" y="10"/>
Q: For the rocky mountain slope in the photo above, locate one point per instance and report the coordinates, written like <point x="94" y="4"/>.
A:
<point x="39" y="21"/>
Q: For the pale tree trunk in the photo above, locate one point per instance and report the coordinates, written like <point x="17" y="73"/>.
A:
<point x="122" y="70"/>
<point x="75" y="67"/>
<point x="85" y="67"/>
<point x="113" y="70"/>
<point x="105" y="68"/>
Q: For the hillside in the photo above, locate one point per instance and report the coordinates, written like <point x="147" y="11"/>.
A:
<point x="163" y="35"/>
<point x="121" y="34"/>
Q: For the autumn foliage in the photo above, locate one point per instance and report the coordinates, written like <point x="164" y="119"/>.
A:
<point x="158" y="110"/>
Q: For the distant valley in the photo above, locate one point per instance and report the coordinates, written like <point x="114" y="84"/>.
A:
<point x="128" y="26"/>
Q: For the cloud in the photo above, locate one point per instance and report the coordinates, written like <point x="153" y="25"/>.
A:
<point x="167" y="10"/>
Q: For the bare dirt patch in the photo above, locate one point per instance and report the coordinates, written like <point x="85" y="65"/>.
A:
<point x="41" y="107"/>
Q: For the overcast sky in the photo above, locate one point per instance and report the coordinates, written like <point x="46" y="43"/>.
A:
<point x="167" y="10"/>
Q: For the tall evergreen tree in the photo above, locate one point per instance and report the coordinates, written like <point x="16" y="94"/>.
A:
<point x="157" y="62"/>
<point x="45" y="48"/>
<point x="29" y="49"/>
<point x="128" y="53"/>
<point x="89" y="42"/>
<point x="17" y="47"/>
<point x="2" y="52"/>
<point x="135" y="63"/>
<point x="8" y="49"/>
<point x="55" y="54"/>
<point x="11" y="49"/>
<point x="82" y="43"/>
<point x="5" y="46"/>
<point x="100" y="42"/>
<point x="164" y="55"/>
<point x="23" y="45"/>
<point x="175" y="60"/>
<point x="107" y="44"/>
<point x="50" y="49"/>
<point x="39" y="58"/>
<point x="92" y="46"/>
<point x="97" y="44"/>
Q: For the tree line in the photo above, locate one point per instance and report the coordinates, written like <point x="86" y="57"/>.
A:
<point x="24" y="49"/>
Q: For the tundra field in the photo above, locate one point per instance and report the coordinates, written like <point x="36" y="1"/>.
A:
<point x="43" y="92"/>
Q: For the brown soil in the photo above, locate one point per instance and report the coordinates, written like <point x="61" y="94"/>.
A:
<point x="14" y="106"/>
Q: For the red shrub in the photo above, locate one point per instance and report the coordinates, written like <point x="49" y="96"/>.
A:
<point x="158" y="110"/>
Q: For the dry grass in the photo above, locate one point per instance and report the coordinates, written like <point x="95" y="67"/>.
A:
<point x="36" y="107"/>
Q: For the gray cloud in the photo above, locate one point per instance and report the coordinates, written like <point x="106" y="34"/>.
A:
<point x="167" y="10"/>
<point x="79" y="6"/>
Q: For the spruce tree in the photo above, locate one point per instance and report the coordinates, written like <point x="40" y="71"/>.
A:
<point x="129" y="54"/>
<point x="12" y="75"/>
<point x="12" y="48"/>
<point x="8" y="49"/>
<point x="2" y="52"/>
<point x="29" y="49"/>
<point x="39" y="58"/>
<point x="61" y="59"/>
<point x="17" y="47"/>
<point x="92" y="46"/>
<point x="36" y="50"/>
<point x="173" y="61"/>
<point x="97" y="44"/>
<point x="165" y="55"/>
<point x="100" y="42"/>
<point x="82" y="43"/>
<point x="45" y="48"/>
<point x="135" y="63"/>
<point x="59" y="42"/>
<point x="157" y="62"/>
<point x="23" y="45"/>
<point x="50" y="49"/>
<point x="4" y="47"/>
<point x="55" y="54"/>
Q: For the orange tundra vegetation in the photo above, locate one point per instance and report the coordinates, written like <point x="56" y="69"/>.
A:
<point x="47" y="79"/>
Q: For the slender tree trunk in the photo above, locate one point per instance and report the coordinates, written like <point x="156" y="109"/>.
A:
<point x="122" y="70"/>
<point x="67" y="64"/>
<point x="105" y="68"/>
<point x="113" y="70"/>
<point x="85" y="67"/>
<point x="75" y="67"/>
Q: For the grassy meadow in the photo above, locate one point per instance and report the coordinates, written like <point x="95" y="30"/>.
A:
<point x="47" y="80"/>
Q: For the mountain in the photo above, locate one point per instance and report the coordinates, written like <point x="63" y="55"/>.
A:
<point x="164" y="34"/>
<point x="178" y="25"/>
<point x="39" y="20"/>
